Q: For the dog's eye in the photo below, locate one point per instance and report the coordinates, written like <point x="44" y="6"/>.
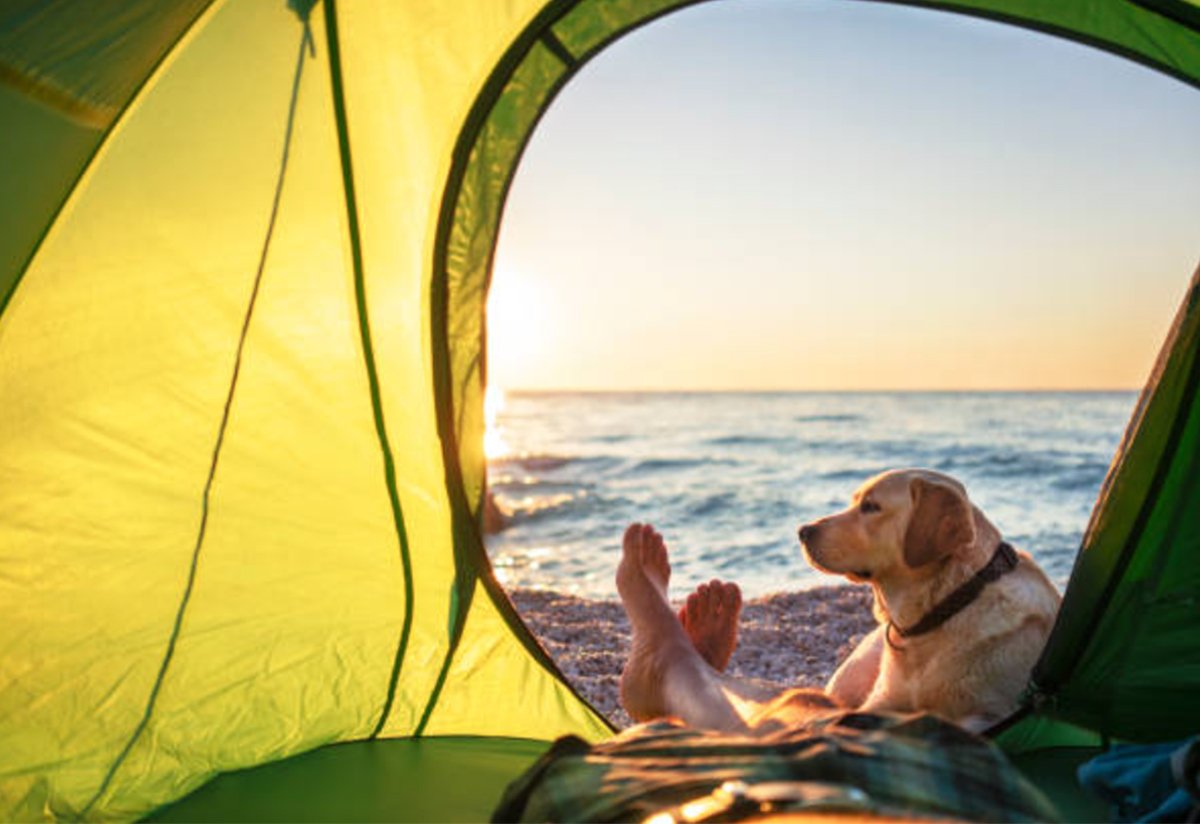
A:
<point x="867" y="506"/>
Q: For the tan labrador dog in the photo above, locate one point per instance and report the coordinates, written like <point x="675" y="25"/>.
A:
<point x="962" y="616"/>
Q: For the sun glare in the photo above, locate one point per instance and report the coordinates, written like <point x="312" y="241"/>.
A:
<point x="494" y="445"/>
<point x="518" y="329"/>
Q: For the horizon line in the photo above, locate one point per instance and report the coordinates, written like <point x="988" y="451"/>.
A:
<point x="533" y="390"/>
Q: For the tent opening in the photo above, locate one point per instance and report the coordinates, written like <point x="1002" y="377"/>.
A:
<point x="754" y="295"/>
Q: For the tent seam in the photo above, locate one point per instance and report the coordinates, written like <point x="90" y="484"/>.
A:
<point x="368" y="350"/>
<point x="439" y="346"/>
<point x="462" y="615"/>
<point x="222" y="429"/>
<point x="540" y="30"/>
<point x="471" y="553"/>
<point x="550" y="40"/>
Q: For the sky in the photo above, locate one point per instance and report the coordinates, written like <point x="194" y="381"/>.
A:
<point x="824" y="195"/>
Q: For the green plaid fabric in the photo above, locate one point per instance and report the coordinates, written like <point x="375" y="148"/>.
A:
<point x="906" y="765"/>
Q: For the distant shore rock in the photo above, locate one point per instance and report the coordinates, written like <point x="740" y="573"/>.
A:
<point x="494" y="518"/>
<point x="787" y="639"/>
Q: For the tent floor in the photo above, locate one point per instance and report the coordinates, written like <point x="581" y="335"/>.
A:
<point x="1053" y="772"/>
<point x="400" y="779"/>
<point x="461" y="779"/>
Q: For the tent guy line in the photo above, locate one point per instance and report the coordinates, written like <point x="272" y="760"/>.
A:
<point x="306" y="43"/>
<point x="368" y="352"/>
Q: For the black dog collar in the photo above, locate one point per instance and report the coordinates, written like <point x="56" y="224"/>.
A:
<point x="1004" y="560"/>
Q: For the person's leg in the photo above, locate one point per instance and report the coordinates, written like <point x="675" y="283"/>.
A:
<point x="855" y="679"/>
<point x="665" y="675"/>
<point x="710" y="619"/>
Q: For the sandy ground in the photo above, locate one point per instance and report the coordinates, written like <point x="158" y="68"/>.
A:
<point x="788" y="639"/>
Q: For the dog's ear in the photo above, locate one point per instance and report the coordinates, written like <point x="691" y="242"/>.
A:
<point x="941" y="522"/>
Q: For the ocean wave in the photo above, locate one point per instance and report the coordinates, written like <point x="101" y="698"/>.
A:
<point x="896" y="451"/>
<point x="750" y="555"/>
<point x="672" y="464"/>
<point x="992" y="464"/>
<point x="1081" y="478"/>
<point x="1051" y="540"/>
<point x="749" y="440"/>
<point x="712" y="504"/>
<point x="1068" y="470"/>
<point x="853" y="474"/>
<point x="532" y="507"/>
<point x="1055" y="550"/>
<point x="765" y="507"/>
<point x="835" y="417"/>
<point x="528" y="486"/>
<point x="532" y="463"/>
<point x="547" y="462"/>
<point x="611" y="438"/>
<point x="727" y="479"/>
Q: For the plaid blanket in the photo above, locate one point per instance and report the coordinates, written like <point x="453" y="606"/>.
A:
<point x="881" y="764"/>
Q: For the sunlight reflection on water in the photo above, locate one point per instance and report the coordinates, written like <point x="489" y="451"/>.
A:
<point x="727" y="477"/>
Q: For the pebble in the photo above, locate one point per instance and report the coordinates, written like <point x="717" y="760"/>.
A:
<point x="791" y="639"/>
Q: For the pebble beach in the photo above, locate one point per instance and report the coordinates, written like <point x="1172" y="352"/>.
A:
<point x="793" y="639"/>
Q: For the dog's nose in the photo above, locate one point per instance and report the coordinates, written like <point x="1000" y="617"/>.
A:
<point x="807" y="532"/>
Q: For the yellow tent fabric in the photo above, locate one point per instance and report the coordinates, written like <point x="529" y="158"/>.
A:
<point x="218" y="440"/>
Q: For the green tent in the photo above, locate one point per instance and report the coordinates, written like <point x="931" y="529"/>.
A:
<point x="244" y="254"/>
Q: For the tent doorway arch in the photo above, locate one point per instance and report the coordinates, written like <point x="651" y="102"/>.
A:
<point x="535" y="68"/>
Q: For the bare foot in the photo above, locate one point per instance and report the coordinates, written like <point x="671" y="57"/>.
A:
<point x="710" y="618"/>
<point x="658" y="636"/>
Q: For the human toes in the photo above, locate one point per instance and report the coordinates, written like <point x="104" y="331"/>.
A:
<point x="706" y="600"/>
<point x="731" y="598"/>
<point x="654" y="551"/>
<point x="631" y="542"/>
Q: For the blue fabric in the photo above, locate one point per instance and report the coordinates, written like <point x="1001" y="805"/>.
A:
<point x="1139" y="782"/>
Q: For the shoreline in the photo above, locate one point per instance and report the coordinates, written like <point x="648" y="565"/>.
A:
<point x="788" y="639"/>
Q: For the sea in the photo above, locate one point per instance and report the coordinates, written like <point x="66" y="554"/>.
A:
<point x="728" y="477"/>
